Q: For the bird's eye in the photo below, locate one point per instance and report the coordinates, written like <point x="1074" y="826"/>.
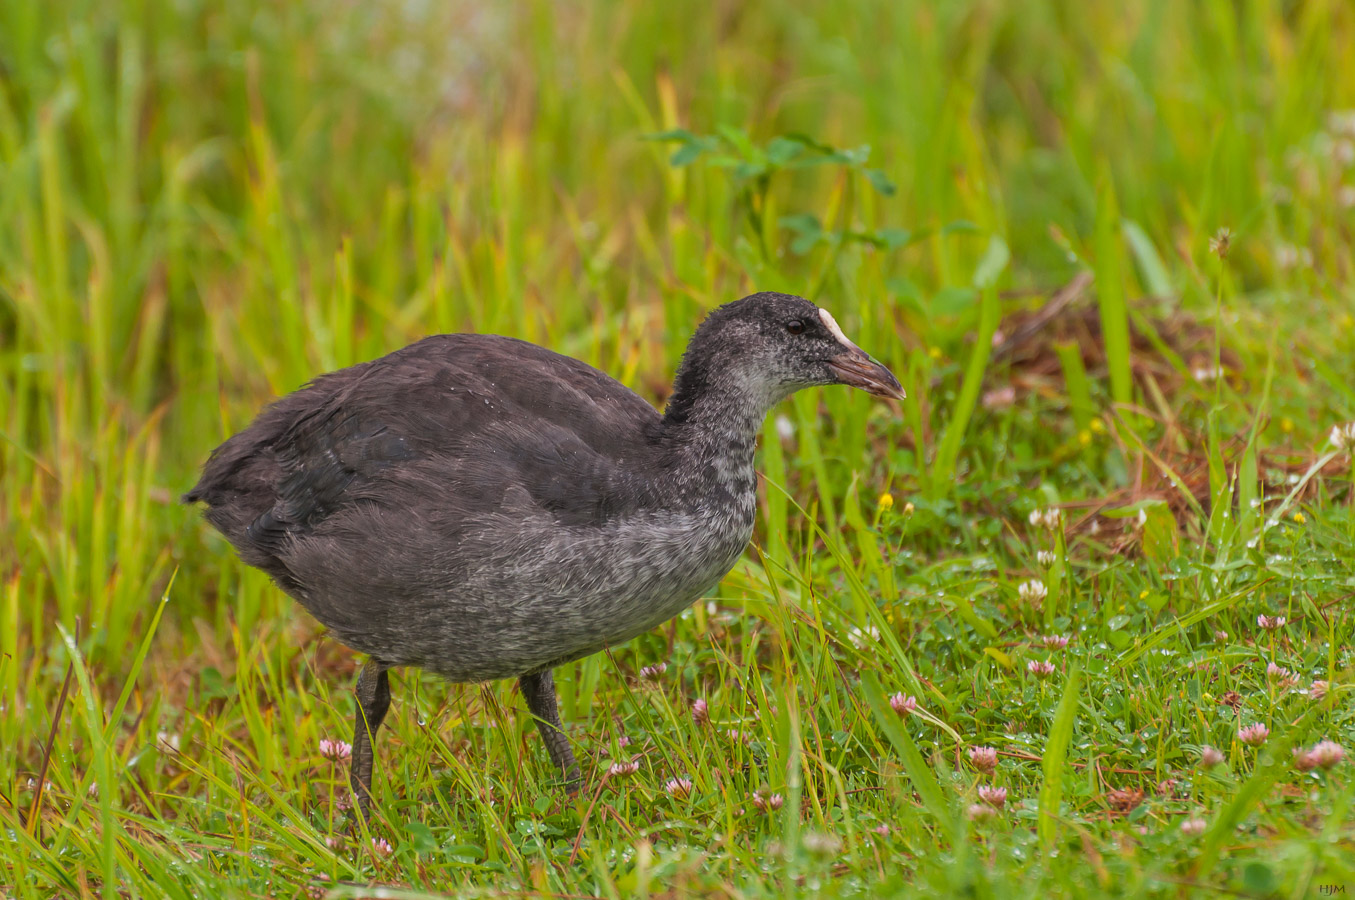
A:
<point x="795" y="326"/>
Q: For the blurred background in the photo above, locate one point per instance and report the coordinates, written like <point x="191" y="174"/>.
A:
<point x="1012" y="204"/>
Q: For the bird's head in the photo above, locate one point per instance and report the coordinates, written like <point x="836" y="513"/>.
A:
<point x="768" y="346"/>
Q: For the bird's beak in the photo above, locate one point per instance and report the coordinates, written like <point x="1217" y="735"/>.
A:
<point x="856" y="368"/>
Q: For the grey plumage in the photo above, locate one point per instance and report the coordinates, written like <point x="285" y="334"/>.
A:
<point x="485" y="508"/>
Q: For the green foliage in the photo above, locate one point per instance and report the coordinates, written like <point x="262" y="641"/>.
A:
<point x="203" y="205"/>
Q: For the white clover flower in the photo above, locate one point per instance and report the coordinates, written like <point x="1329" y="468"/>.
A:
<point x="1048" y="519"/>
<point x="984" y="759"/>
<point x="1033" y="591"/>
<point x="334" y="749"/>
<point x="681" y="788"/>
<point x="863" y="637"/>
<point x="903" y="704"/>
<point x="978" y="812"/>
<point x="1327" y="754"/>
<point x="622" y="769"/>
<point x="993" y="796"/>
<point x="1046" y="558"/>
<point x="700" y="711"/>
<point x="1287" y="256"/>
<point x="1341" y="122"/>
<point x="821" y="844"/>
<point x="1343" y="152"/>
<point x="1343" y="437"/>
<point x="1205" y="374"/>
<point x="1040" y="668"/>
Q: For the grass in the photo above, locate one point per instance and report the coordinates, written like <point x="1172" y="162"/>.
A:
<point x="201" y="206"/>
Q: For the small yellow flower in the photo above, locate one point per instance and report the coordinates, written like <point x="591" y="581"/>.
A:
<point x="1143" y="595"/>
<point x="1286" y="425"/>
<point x="934" y="353"/>
<point x="886" y="500"/>
<point x="1084" y="438"/>
<point x="1097" y="426"/>
<point x="1300" y="518"/>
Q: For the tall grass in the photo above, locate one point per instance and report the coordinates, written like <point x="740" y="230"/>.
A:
<point x="204" y="205"/>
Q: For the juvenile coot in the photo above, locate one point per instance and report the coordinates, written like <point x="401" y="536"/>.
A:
<point x="484" y="508"/>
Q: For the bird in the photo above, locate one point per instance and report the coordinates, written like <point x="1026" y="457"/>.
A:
<point x="484" y="508"/>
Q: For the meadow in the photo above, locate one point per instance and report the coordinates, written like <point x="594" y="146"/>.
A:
<point x="1075" y="619"/>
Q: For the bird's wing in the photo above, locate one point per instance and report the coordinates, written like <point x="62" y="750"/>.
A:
<point x="468" y="423"/>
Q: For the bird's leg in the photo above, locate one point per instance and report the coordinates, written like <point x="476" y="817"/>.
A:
<point x="374" y="698"/>
<point x="539" y="689"/>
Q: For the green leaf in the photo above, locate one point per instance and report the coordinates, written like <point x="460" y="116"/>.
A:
<point x="686" y="154"/>
<point x="881" y="182"/>
<point x="724" y="160"/>
<point x="1002" y="659"/>
<point x="1258" y="879"/>
<point x="982" y="626"/>
<point x="421" y="837"/>
<point x="781" y="150"/>
<point x="834" y="157"/>
<point x="812" y="143"/>
<point x="750" y="169"/>
<point x="675" y="134"/>
<point x="959" y="226"/>
<point x="738" y="139"/>
<point x="801" y="223"/>
<point x="856" y="156"/>
<point x="894" y="238"/>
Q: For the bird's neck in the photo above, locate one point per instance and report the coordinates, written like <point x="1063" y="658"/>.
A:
<point x="711" y="427"/>
<point x="718" y="445"/>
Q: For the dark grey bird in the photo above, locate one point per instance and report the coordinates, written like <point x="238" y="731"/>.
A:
<point x="484" y="508"/>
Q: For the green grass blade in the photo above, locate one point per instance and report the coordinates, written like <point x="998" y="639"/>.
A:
<point x="1110" y="294"/>
<point x="990" y="315"/>
<point x="1055" y="763"/>
<point x="919" y="773"/>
